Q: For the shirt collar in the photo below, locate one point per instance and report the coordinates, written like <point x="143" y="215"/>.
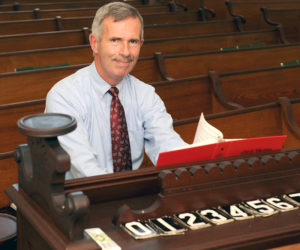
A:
<point x="100" y="85"/>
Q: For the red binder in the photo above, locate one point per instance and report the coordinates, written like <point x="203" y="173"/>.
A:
<point x="221" y="150"/>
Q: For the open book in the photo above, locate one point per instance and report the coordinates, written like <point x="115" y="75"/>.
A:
<point x="210" y="144"/>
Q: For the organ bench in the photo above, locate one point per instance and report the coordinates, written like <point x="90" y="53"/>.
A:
<point x="153" y="208"/>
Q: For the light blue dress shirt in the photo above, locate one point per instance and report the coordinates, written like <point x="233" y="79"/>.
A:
<point x="84" y="96"/>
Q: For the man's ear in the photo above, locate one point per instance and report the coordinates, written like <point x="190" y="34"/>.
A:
<point x="142" y="42"/>
<point x="93" y="43"/>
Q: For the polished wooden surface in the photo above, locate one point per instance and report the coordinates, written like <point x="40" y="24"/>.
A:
<point x="138" y="190"/>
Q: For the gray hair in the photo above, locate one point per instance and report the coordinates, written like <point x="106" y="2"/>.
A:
<point x="119" y="11"/>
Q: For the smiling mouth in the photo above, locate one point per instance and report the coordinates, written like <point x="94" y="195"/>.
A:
<point x="125" y="60"/>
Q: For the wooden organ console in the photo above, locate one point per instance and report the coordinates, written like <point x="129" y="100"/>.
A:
<point x="188" y="202"/>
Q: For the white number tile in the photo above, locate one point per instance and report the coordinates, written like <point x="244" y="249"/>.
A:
<point x="167" y="225"/>
<point x="237" y="212"/>
<point x="215" y="216"/>
<point x="259" y="208"/>
<point x="294" y="198"/>
<point x="280" y="204"/>
<point x="139" y="229"/>
<point x="192" y="220"/>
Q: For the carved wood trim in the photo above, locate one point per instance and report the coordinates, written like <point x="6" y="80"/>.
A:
<point x="287" y="114"/>
<point x="238" y="23"/>
<point x="228" y="4"/>
<point x="161" y="66"/>
<point x="46" y="187"/>
<point x="217" y="91"/>
<point x="266" y="17"/>
<point x="281" y="32"/>
<point x="278" y="26"/>
<point x="186" y="183"/>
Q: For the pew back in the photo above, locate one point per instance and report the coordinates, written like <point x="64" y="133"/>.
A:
<point x="69" y="23"/>
<point x="259" y="86"/>
<point x="82" y="53"/>
<point x="78" y="37"/>
<point x="263" y="120"/>
<point x="20" y="86"/>
<point x="289" y="19"/>
<point x="189" y="97"/>
<point x="252" y="14"/>
<point x="230" y="60"/>
<point x="77" y="12"/>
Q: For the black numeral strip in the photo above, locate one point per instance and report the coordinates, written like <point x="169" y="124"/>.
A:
<point x="178" y="223"/>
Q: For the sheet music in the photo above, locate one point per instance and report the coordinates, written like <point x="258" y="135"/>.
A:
<point x="206" y="133"/>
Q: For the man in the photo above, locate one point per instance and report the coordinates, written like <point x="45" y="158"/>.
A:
<point x="92" y="96"/>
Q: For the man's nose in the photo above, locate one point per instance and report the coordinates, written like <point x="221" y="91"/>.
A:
<point x="125" y="49"/>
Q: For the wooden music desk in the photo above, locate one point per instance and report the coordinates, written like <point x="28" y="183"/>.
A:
<point x="52" y="213"/>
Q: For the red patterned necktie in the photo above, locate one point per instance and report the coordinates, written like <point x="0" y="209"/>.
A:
<point x="119" y="134"/>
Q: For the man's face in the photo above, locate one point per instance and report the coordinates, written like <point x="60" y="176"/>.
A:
<point x="118" y="49"/>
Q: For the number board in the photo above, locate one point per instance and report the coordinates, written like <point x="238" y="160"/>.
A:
<point x="199" y="219"/>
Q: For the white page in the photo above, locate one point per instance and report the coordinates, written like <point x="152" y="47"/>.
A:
<point x="206" y="133"/>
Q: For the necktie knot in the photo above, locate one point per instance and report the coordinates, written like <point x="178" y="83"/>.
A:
<point x="114" y="91"/>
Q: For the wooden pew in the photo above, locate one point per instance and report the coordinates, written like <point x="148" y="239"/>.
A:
<point x="67" y="4"/>
<point x="189" y="4"/>
<point x="44" y="25"/>
<point x="44" y="40"/>
<point x="78" y="12"/>
<point x="149" y="69"/>
<point x="9" y="176"/>
<point x="191" y="28"/>
<point x="17" y="6"/>
<point x="78" y="37"/>
<point x="18" y="42"/>
<point x="270" y="119"/>
<point x="255" y="86"/>
<point x="79" y="54"/>
<point x="189" y="97"/>
<point x="58" y="1"/>
<point x="289" y="19"/>
<point x="277" y="118"/>
<point x="251" y="13"/>
<point x="215" y="97"/>
<point x="59" y="23"/>
<point x="216" y="9"/>
<point x="228" y="61"/>
<point x="10" y="114"/>
<point x="5" y="2"/>
<point x="213" y="9"/>
<point x="215" y="93"/>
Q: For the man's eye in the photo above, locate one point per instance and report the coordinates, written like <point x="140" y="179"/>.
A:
<point x="114" y="40"/>
<point x="134" y="41"/>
